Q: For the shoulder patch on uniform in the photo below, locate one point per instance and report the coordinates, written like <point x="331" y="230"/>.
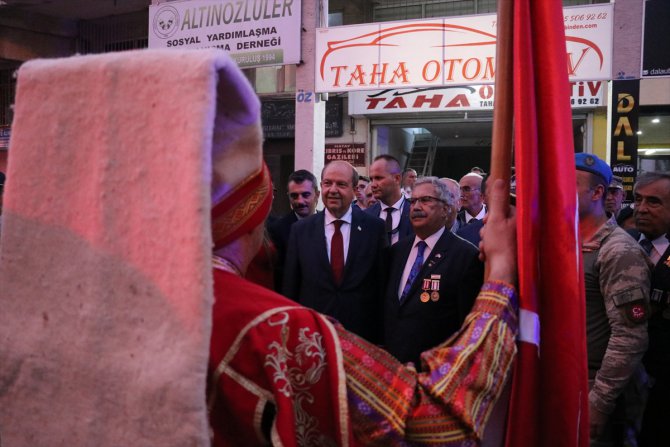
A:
<point x="636" y="312"/>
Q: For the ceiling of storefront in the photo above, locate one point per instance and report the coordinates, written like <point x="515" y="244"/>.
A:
<point x="75" y="9"/>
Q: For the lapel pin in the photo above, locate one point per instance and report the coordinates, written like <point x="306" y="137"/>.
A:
<point x="359" y="228"/>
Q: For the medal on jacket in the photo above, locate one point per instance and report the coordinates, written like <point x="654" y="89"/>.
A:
<point x="435" y="286"/>
<point x="431" y="287"/>
<point x="425" y="296"/>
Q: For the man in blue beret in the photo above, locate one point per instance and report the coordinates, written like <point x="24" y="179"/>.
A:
<point x="616" y="277"/>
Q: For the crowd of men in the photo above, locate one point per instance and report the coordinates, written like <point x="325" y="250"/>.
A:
<point x="382" y="329"/>
<point x="405" y="273"/>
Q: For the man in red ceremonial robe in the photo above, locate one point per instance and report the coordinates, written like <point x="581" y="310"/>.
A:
<point x="282" y="374"/>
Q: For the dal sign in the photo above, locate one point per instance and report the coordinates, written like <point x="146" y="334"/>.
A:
<point x="585" y="94"/>
<point x="448" y="51"/>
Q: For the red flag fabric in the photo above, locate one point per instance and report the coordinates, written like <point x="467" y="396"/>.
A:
<point x="549" y="400"/>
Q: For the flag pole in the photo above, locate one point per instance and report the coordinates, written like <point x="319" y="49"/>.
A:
<point x="503" y="105"/>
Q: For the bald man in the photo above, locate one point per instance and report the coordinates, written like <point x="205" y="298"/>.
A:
<point x="334" y="258"/>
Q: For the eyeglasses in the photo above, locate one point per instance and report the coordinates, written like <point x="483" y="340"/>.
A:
<point x="424" y="200"/>
<point x="468" y="189"/>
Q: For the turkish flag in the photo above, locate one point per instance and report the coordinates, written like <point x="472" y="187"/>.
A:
<point x="549" y="399"/>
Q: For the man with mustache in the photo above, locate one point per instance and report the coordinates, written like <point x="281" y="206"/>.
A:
<point x="652" y="219"/>
<point x="334" y="258"/>
<point x="434" y="277"/>
<point x="303" y="195"/>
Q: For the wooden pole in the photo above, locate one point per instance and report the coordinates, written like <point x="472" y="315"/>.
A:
<point x="503" y="105"/>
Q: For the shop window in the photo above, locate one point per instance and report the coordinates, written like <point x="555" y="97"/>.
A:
<point x="275" y="79"/>
<point x="654" y="139"/>
<point x="7" y="91"/>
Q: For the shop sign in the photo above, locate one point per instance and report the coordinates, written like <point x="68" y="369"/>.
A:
<point x="656" y="52"/>
<point x="585" y="94"/>
<point x="447" y="51"/>
<point x="625" y="112"/>
<point x="278" y="118"/>
<point x="354" y="153"/>
<point x="255" y="32"/>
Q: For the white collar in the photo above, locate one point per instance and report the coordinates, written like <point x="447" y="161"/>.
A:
<point x="397" y="205"/>
<point x="330" y="218"/>
<point x="431" y="241"/>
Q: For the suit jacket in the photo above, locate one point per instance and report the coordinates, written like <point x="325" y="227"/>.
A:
<point x="657" y="358"/>
<point x="308" y="277"/>
<point x="460" y="217"/>
<point x="279" y="231"/>
<point x="412" y="326"/>
<point x="470" y="231"/>
<point x="404" y="227"/>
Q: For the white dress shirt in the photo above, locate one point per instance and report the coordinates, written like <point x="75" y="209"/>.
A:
<point x="395" y="216"/>
<point x="660" y="244"/>
<point x="479" y="216"/>
<point x="430" y="241"/>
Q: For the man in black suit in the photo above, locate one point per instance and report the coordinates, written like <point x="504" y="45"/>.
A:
<point x="303" y="195"/>
<point x="652" y="219"/>
<point x="334" y="262"/>
<point x="391" y="206"/>
<point x="434" y="277"/>
<point x="472" y="198"/>
<point x="473" y="209"/>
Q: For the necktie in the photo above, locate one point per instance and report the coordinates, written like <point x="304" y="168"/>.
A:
<point x="416" y="267"/>
<point x="647" y="246"/>
<point x="389" y="223"/>
<point x="337" y="252"/>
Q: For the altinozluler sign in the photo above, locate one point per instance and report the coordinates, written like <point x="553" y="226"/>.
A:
<point x="254" y="32"/>
<point x="447" y="51"/>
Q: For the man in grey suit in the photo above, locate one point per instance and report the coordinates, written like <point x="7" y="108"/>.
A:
<point x="391" y="206"/>
<point x="434" y="277"/>
<point x="334" y="262"/>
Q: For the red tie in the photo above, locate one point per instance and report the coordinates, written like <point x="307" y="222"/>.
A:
<point x="337" y="252"/>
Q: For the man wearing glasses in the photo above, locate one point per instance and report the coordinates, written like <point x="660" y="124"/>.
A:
<point x="472" y="199"/>
<point x="434" y="277"/>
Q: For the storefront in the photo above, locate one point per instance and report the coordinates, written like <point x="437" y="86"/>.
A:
<point x="457" y="121"/>
<point x="434" y="82"/>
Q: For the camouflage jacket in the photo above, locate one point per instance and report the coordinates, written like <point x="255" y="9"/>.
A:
<point x="617" y="278"/>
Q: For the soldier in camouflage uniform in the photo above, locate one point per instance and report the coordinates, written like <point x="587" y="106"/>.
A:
<point x="617" y="278"/>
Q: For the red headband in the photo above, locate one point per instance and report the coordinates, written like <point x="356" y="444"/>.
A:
<point x="245" y="208"/>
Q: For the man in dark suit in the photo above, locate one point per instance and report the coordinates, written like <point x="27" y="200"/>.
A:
<point x="473" y="209"/>
<point x="303" y="195"/>
<point x="472" y="199"/>
<point x="434" y="276"/>
<point x="334" y="262"/>
<point x="391" y="206"/>
<point x="652" y="219"/>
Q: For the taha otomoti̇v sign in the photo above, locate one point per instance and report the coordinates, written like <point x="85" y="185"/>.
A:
<point x="447" y="51"/>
